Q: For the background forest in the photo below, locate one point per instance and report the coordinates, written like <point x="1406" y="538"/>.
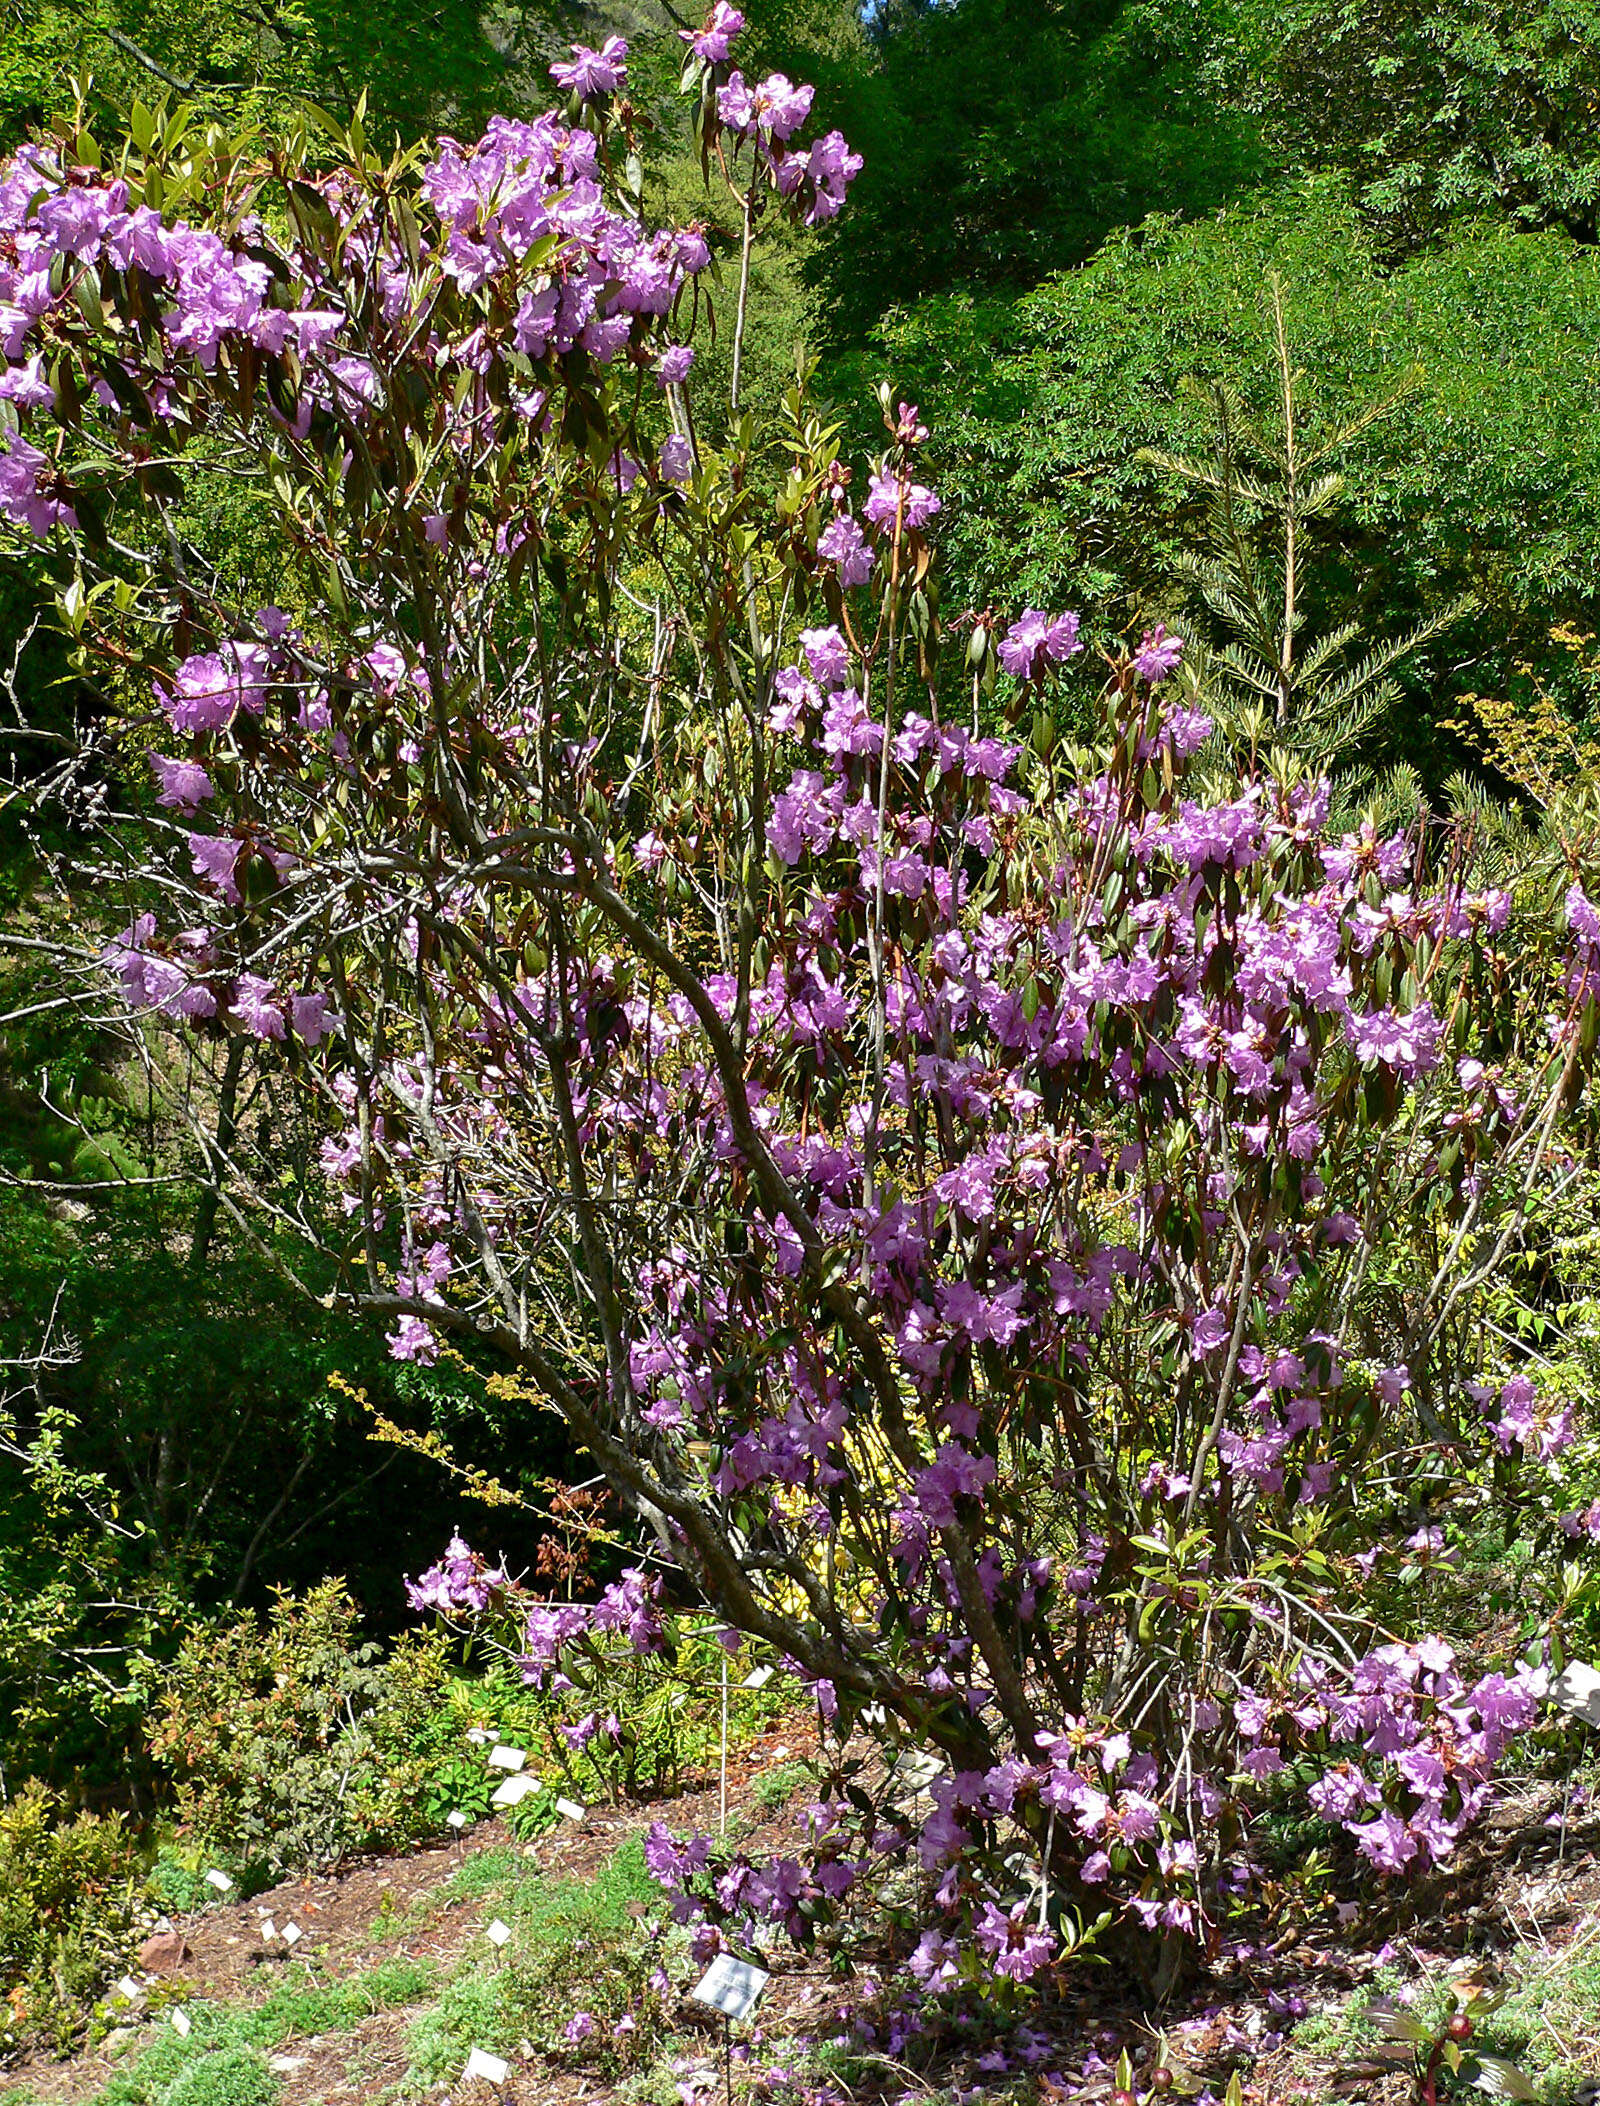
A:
<point x="1126" y="255"/>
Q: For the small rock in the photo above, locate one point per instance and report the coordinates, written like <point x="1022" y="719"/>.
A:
<point x="164" y="1952"/>
<point x="286" y="2065"/>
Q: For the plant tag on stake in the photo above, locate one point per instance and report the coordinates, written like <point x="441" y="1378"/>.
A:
<point x="181" y="2025"/>
<point x="571" y="1810"/>
<point x="269" y="1930"/>
<point x="731" y="1986"/>
<point x="503" y="1758"/>
<point x="489" y="2067"/>
<point x="292" y="1934"/>
<point x="757" y="1678"/>
<point x="498" y="1932"/>
<point x="515" y="1790"/>
<point x="221" y="1881"/>
<point x="456" y="1820"/>
<point x="129" y="1990"/>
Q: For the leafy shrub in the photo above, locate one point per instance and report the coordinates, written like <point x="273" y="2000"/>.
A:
<point x="67" y="1906"/>
<point x="292" y="1742"/>
<point x="623" y="1724"/>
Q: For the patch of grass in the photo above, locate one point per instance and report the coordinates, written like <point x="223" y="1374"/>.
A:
<point x="231" y="2077"/>
<point x="484" y="1873"/>
<point x="1548" y="2026"/>
<point x="1550" y="2023"/>
<point x="579" y="1950"/>
<point x="302" y="2005"/>
<point x="777" y="1787"/>
<point x="223" y="2061"/>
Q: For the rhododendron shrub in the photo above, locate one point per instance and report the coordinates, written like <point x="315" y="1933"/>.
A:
<point x="939" y="1182"/>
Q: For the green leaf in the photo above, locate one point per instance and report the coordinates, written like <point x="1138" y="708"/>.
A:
<point x="1501" y="2079"/>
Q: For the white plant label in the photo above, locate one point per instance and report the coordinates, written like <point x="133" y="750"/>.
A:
<point x="514" y="1791"/>
<point x="489" y="2067"/>
<point x="456" y="1820"/>
<point x="269" y="1930"/>
<point x="130" y="1990"/>
<point x="731" y="1986"/>
<point x="570" y="1810"/>
<point x="498" y="1933"/>
<point x="503" y="1758"/>
<point x="291" y="1934"/>
<point x="1577" y="1689"/>
<point x="221" y="1881"/>
<point x="181" y="2025"/>
<point x="757" y="1678"/>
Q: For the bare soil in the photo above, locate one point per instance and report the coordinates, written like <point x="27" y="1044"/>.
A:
<point x="1524" y="1885"/>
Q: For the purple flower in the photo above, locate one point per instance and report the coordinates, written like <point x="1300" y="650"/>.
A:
<point x="711" y="42"/>
<point x="1016" y="1948"/>
<point x="772" y="109"/>
<point x="184" y="783"/>
<point x="310" y="1018"/>
<point x="1158" y="654"/>
<point x="677" y="459"/>
<point x="590" y="73"/>
<point x="827" y="655"/>
<point x="843" y="543"/>
<point x="24" y="475"/>
<point x="1386" y="1843"/>
<point x="672" y="367"/>
<point x="891" y="497"/>
<point x="1037" y="641"/>
<point x="209" y="686"/>
<point x="1409" y="1043"/>
<point x="255" y="1007"/>
<point x="216" y="861"/>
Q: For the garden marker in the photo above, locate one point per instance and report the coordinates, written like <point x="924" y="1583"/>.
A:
<point x="456" y="1820"/>
<point x="758" y="1678"/>
<point x="733" y="1988"/>
<point x="498" y="1933"/>
<point x="489" y="2067"/>
<point x="130" y="1990"/>
<point x="292" y="1934"/>
<point x="181" y="2025"/>
<point x="503" y="1758"/>
<point x="1577" y="1689"/>
<point x="515" y="1790"/>
<point x="221" y="1881"/>
<point x="571" y="1810"/>
<point x="269" y="1930"/>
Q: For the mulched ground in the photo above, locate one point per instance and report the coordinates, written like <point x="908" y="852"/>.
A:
<point x="1522" y="1886"/>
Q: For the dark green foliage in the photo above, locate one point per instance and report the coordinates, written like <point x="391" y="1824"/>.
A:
<point x="1484" y="479"/>
<point x="445" y="63"/>
<point x="1439" y="111"/>
<point x="1006" y="139"/>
